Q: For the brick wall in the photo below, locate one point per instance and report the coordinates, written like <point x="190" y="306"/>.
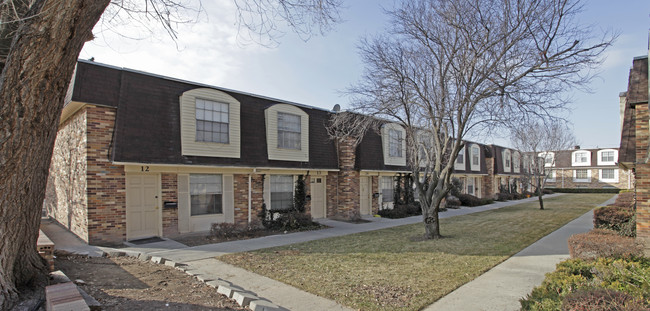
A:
<point x="375" y="189"/>
<point x="487" y="182"/>
<point x="348" y="185"/>
<point x="332" y="194"/>
<point x="106" y="188"/>
<point x="65" y="199"/>
<point x="169" y="188"/>
<point x="564" y="179"/>
<point x="642" y="178"/>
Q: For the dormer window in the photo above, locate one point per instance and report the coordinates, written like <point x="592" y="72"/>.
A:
<point x="475" y="153"/>
<point x="395" y="143"/>
<point x="460" y="159"/>
<point x="506" y="160"/>
<point x="549" y="158"/>
<point x="212" y="121"/>
<point x="581" y="158"/>
<point x="289" y="131"/>
<point x="607" y="157"/>
<point x="516" y="162"/>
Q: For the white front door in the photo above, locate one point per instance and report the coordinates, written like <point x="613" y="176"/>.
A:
<point x="143" y="216"/>
<point x="317" y="186"/>
<point x="365" y="200"/>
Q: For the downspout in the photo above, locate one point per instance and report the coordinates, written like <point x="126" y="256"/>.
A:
<point x="250" y="201"/>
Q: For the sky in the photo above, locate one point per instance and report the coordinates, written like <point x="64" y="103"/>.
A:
<point x="317" y="72"/>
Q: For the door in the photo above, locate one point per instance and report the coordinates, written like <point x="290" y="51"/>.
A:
<point x="365" y="200"/>
<point x="470" y="185"/>
<point x="318" y="197"/>
<point x="143" y="217"/>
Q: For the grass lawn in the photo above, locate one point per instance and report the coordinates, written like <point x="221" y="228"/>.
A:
<point x="394" y="269"/>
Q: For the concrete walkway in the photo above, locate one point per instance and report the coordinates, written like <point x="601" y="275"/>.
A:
<point x="528" y="266"/>
<point x="500" y="288"/>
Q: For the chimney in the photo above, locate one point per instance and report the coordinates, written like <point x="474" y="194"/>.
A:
<point x="577" y="147"/>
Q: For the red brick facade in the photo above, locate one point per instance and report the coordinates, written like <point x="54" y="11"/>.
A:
<point x="642" y="172"/>
<point x="169" y="189"/>
<point x="348" y="180"/>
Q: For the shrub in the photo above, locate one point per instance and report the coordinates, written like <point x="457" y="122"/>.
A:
<point x="583" y="190"/>
<point x="629" y="276"/>
<point x="600" y="299"/>
<point x="602" y="243"/>
<point x="469" y="200"/>
<point x="226" y="230"/>
<point x="402" y="211"/>
<point x="452" y="202"/>
<point x="619" y="219"/>
<point x="502" y="196"/>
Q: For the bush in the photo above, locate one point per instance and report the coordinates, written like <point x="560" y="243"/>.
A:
<point x="402" y="211"/>
<point x="629" y="276"/>
<point x="285" y="220"/>
<point x="600" y="299"/>
<point x="502" y="196"/>
<point x="227" y="230"/>
<point x="452" y="202"/>
<point x="583" y="190"/>
<point x="602" y="243"/>
<point x="469" y="200"/>
<point x="616" y="218"/>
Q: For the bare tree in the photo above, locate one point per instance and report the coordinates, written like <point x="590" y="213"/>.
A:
<point x="40" y="41"/>
<point x="349" y="125"/>
<point x="541" y="142"/>
<point x="447" y="68"/>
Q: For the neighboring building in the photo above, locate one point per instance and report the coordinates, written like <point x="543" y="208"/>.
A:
<point x="585" y="168"/>
<point x="634" y="155"/>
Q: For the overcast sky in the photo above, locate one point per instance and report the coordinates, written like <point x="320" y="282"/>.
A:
<point x="315" y="72"/>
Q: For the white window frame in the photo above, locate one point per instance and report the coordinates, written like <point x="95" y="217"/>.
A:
<point x="546" y="156"/>
<point x="507" y="160"/>
<point x="211" y="112"/>
<point x="385" y="180"/>
<point x="459" y="163"/>
<point x="583" y="154"/>
<point x="395" y="143"/>
<point x="601" y="178"/>
<point x="475" y="153"/>
<point x="576" y="179"/>
<point x="196" y="189"/>
<point x="386" y="142"/>
<point x="289" y="142"/>
<point x="274" y="181"/>
<point x="614" y="158"/>
<point x="516" y="162"/>
<point x="551" y="177"/>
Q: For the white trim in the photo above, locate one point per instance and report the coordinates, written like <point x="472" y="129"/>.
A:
<point x="475" y="167"/>
<point x="271" y="119"/>
<point x="599" y="155"/>
<point x="600" y="175"/>
<point x="506" y="155"/>
<point x="575" y="179"/>
<point x="460" y="166"/>
<point x="544" y="155"/>
<point x="588" y="157"/>
<point x="385" y="139"/>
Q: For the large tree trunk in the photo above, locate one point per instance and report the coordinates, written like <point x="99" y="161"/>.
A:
<point x="431" y="218"/>
<point x="33" y="84"/>
<point x="540" y="193"/>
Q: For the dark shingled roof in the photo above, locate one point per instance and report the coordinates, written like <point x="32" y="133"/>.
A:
<point x="637" y="94"/>
<point x="148" y="123"/>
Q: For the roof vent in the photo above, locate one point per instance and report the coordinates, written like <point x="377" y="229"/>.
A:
<point x="336" y="108"/>
<point x="577" y="147"/>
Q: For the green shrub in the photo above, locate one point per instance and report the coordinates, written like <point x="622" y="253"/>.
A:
<point x="602" y="243"/>
<point x="583" y="190"/>
<point x="402" y="211"/>
<point x="452" y="202"/>
<point x="627" y="275"/>
<point x="469" y="200"/>
<point x="502" y="196"/>
<point x="616" y="218"/>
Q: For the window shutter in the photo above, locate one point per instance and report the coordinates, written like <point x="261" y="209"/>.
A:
<point x="183" y="203"/>
<point x="228" y="199"/>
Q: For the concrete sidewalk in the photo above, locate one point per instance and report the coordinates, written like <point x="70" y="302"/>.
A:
<point x="500" y="288"/>
<point x="201" y="260"/>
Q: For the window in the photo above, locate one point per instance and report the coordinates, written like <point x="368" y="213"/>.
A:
<point x="394" y="143"/>
<point x="516" y="159"/>
<point x="607" y="156"/>
<point x="289" y="131"/>
<point x="608" y="173"/>
<point x="460" y="159"/>
<point x="549" y="158"/>
<point x="470" y="185"/>
<point x="582" y="175"/>
<point x="475" y="155"/>
<point x="211" y="121"/>
<point x="506" y="160"/>
<point x="387" y="187"/>
<point x="206" y="193"/>
<point x="581" y="158"/>
<point x="550" y="176"/>
<point x="281" y="192"/>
